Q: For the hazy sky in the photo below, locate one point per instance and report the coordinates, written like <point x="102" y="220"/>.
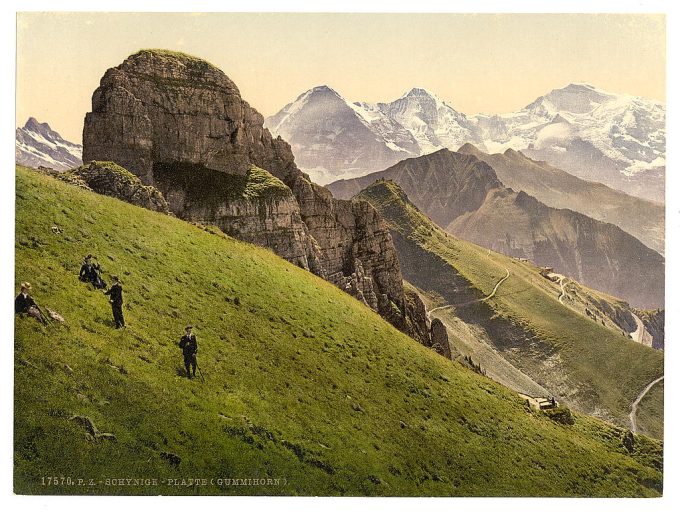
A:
<point x="477" y="63"/>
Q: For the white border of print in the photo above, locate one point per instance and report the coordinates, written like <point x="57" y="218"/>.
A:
<point x="671" y="497"/>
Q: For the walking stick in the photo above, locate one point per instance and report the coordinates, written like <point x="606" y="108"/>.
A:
<point x="46" y="319"/>
<point x="200" y="372"/>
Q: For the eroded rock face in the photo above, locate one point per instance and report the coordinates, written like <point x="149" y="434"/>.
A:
<point x="256" y="207"/>
<point x="165" y="107"/>
<point x="654" y="321"/>
<point x="440" y="338"/>
<point x="180" y="124"/>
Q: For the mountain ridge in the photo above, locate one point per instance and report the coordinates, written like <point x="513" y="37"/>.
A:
<point x="599" y="255"/>
<point x="521" y="312"/>
<point x="616" y="139"/>
<point x="556" y="188"/>
<point x="37" y="144"/>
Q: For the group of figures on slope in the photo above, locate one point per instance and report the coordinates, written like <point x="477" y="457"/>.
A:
<point x="90" y="272"/>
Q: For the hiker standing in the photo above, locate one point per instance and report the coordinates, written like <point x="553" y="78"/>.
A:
<point x="25" y="305"/>
<point x="115" y="294"/>
<point x="189" y="348"/>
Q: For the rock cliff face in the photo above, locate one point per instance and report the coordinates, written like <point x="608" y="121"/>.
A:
<point x="256" y="207"/>
<point x="162" y="107"/>
<point x="180" y="124"/>
<point x="654" y="321"/>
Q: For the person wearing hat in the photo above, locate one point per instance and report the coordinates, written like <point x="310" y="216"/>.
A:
<point x="115" y="294"/>
<point x="89" y="273"/>
<point x="189" y="348"/>
<point x="25" y="305"/>
<point x="86" y="270"/>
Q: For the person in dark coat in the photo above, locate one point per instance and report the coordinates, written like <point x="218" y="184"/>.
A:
<point x="25" y="305"/>
<point x="189" y="348"/>
<point x="86" y="269"/>
<point x="115" y="294"/>
<point x="89" y="273"/>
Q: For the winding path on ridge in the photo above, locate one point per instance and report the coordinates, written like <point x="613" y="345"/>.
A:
<point x="634" y="405"/>
<point x="490" y="296"/>
<point x="564" y="292"/>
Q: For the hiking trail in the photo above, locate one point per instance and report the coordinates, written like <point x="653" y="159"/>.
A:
<point x="490" y="296"/>
<point x="636" y="402"/>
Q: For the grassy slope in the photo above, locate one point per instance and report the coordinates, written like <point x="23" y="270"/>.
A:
<point x="185" y="57"/>
<point x="302" y="381"/>
<point x="651" y="406"/>
<point x="614" y="368"/>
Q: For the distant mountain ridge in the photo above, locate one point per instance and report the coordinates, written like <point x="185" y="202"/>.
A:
<point x="37" y="144"/>
<point x="557" y="188"/>
<point x="616" y="139"/>
<point x="463" y="195"/>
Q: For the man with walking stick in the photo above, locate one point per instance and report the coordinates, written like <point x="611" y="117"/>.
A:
<point x="189" y="348"/>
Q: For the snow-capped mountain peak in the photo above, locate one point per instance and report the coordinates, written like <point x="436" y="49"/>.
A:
<point x="617" y="139"/>
<point x="329" y="135"/>
<point x="575" y="98"/>
<point x="432" y="122"/>
<point x="37" y="144"/>
<point x="419" y="92"/>
<point x="320" y="93"/>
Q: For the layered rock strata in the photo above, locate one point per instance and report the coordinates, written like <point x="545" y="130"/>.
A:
<point x="180" y="124"/>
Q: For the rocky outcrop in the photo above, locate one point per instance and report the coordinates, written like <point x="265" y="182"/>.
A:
<point x="167" y="107"/>
<point x="654" y="321"/>
<point x="440" y="338"/>
<point x="256" y="207"/>
<point x="110" y="179"/>
<point x="416" y="315"/>
<point x="179" y="123"/>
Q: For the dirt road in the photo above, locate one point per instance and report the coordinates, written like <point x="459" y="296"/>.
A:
<point x="564" y="292"/>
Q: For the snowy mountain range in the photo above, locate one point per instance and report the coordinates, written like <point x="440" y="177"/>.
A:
<point x="332" y="138"/>
<point x="615" y="139"/>
<point x="38" y="145"/>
